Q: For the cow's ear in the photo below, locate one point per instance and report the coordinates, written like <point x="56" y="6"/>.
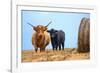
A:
<point x="45" y="28"/>
<point x="34" y="28"/>
<point x="48" y="31"/>
<point x="56" y="31"/>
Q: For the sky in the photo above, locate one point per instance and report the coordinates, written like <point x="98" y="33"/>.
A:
<point x="67" y="21"/>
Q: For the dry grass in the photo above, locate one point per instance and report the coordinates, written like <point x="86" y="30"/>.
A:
<point x="50" y="55"/>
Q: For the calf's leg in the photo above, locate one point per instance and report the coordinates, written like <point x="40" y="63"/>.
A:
<point x="63" y="46"/>
<point x="59" y="46"/>
<point x="53" y="47"/>
<point x="56" y="46"/>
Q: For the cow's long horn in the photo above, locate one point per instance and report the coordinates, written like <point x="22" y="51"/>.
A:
<point x="30" y="24"/>
<point x="48" y="23"/>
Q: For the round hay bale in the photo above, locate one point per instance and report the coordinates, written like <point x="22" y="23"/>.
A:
<point x="84" y="35"/>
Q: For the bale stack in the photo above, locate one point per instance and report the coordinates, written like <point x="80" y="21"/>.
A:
<point x="84" y="35"/>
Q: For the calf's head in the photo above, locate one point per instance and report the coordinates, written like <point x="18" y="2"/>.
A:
<point x="53" y="33"/>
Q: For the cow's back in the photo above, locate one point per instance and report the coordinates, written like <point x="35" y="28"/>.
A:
<point x="61" y="36"/>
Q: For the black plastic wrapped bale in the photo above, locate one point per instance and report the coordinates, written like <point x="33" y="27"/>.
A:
<point x="84" y="35"/>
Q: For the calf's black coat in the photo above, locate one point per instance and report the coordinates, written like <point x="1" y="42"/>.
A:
<point x="57" y="38"/>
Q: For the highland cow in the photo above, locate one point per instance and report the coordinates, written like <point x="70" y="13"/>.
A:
<point x="40" y="38"/>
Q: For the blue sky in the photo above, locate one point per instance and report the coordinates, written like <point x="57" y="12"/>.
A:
<point x="66" y="21"/>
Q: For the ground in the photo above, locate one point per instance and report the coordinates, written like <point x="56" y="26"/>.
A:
<point x="50" y="55"/>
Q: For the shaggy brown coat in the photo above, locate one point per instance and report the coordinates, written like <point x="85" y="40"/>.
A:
<point x="40" y="38"/>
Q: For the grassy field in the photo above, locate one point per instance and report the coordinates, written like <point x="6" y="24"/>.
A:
<point x="50" y="55"/>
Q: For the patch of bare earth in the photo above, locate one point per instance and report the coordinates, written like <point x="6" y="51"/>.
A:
<point x="50" y="55"/>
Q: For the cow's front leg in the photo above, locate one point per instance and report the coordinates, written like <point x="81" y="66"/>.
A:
<point x="36" y="49"/>
<point x="42" y="49"/>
